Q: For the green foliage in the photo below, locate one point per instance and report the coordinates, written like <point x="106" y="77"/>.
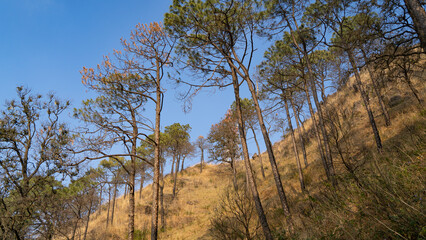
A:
<point x="176" y="139"/>
<point x="248" y="110"/>
<point x="211" y="35"/>
<point x="283" y="67"/>
<point x="140" y="234"/>
<point x="353" y="31"/>
<point x="177" y="134"/>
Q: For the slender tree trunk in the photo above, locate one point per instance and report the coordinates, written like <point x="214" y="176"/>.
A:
<point x="131" y="209"/>
<point x="88" y="216"/>
<point x="109" y="205"/>
<point x="125" y="190"/>
<point x="247" y="183"/>
<point x="234" y="174"/>
<point x="412" y="88"/>
<point x="202" y="160"/>
<point x="100" y="201"/>
<point x="329" y="159"/>
<point x="173" y="165"/>
<point x="303" y="130"/>
<point x="418" y="15"/>
<point x="113" y="202"/>
<point x="17" y="235"/>
<point x="177" y="164"/>
<point x="366" y="101"/>
<point x="175" y="176"/>
<point x="326" y="156"/>
<point x="75" y="229"/>
<point x="296" y="153"/>
<point x="302" y="141"/>
<point x="269" y="149"/>
<point x="262" y="170"/>
<point x="274" y="167"/>
<point x="323" y="96"/>
<point x="182" y="167"/>
<point x="142" y="182"/>
<point x="376" y="90"/>
<point x="317" y="134"/>
<point x="249" y="171"/>
<point x="156" y="179"/>
<point x="162" y="212"/>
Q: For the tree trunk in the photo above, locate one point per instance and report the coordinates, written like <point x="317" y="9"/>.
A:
<point x="258" y="153"/>
<point x="317" y="134"/>
<point x="322" y="87"/>
<point x="173" y="165"/>
<point x="141" y="187"/>
<point x="113" y="202"/>
<point x="296" y="153"/>
<point x="163" y="217"/>
<point x="302" y="141"/>
<point x="234" y="174"/>
<point x="303" y="130"/>
<point x="328" y="157"/>
<point x="75" y="229"/>
<point x="366" y="101"/>
<point x="253" y="187"/>
<point x="162" y="212"/>
<point x="125" y="191"/>
<point x="88" y="216"/>
<point x="277" y="178"/>
<point x="182" y="167"/>
<point x="376" y="89"/>
<point x="269" y="149"/>
<point x="109" y="205"/>
<point x="418" y="15"/>
<point x="156" y="179"/>
<point x="412" y="88"/>
<point x="175" y="176"/>
<point x="131" y="209"/>
<point x="202" y="160"/>
<point x="177" y="164"/>
<point x="100" y="201"/>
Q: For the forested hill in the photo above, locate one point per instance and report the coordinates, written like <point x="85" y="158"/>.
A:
<point x="342" y="81"/>
<point x="378" y="195"/>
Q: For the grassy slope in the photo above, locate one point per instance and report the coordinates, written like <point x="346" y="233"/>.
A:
<point x="188" y="216"/>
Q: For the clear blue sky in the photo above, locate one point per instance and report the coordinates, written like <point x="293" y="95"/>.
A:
<point x="45" y="43"/>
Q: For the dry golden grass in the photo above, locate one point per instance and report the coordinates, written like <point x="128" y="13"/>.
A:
<point x="187" y="216"/>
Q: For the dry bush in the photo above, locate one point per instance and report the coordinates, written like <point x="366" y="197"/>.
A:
<point x="235" y="216"/>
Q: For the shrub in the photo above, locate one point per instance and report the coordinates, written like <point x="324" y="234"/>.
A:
<point x="141" y="235"/>
<point x="235" y="216"/>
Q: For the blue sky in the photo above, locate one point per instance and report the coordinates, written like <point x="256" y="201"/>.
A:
<point x="45" y="43"/>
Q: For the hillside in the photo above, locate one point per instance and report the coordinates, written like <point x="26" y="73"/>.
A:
<point x="382" y="198"/>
